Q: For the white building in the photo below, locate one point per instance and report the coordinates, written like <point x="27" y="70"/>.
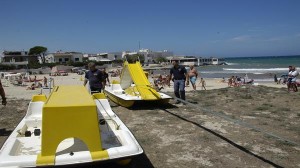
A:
<point x="103" y="58"/>
<point x="20" y="59"/>
<point x="112" y="55"/>
<point x="63" y="57"/>
<point x="192" y="60"/>
<point x="124" y="53"/>
<point x="149" y="55"/>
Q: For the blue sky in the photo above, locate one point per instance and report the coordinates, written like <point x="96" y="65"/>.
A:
<point x="222" y="28"/>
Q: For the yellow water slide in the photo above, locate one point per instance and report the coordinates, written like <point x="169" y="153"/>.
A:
<point x="142" y="86"/>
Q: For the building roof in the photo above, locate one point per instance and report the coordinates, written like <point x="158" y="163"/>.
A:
<point x="104" y="59"/>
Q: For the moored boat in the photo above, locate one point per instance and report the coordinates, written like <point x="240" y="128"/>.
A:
<point x="134" y="86"/>
<point x="70" y="127"/>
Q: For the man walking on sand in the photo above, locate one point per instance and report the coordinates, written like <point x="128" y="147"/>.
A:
<point x="193" y="74"/>
<point x="292" y="77"/>
<point x="179" y="75"/>
<point x="94" y="76"/>
<point x="2" y="93"/>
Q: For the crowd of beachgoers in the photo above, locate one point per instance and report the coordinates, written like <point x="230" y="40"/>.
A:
<point x="40" y="82"/>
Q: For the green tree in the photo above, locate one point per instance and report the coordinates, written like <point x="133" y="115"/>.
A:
<point x="7" y="67"/>
<point x="135" y="57"/>
<point x="34" y="65"/>
<point x="39" y="51"/>
<point x="50" y="64"/>
<point x="78" y="64"/>
<point x="161" y="59"/>
<point x="118" y="61"/>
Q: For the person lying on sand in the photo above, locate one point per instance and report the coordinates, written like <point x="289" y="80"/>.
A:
<point x="33" y="86"/>
<point x="157" y="88"/>
<point x="231" y="81"/>
<point x="222" y="80"/>
<point x="160" y="81"/>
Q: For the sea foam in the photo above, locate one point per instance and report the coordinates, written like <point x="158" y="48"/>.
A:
<point x="255" y="69"/>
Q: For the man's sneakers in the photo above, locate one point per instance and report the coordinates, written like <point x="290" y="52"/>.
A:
<point x="160" y="88"/>
<point x="177" y="102"/>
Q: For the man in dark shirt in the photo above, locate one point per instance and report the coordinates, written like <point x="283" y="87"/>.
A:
<point x="2" y="93"/>
<point x="94" y="76"/>
<point x="179" y="74"/>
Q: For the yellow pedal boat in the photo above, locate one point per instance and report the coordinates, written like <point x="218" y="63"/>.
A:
<point x="70" y="127"/>
<point x="134" y="86"/>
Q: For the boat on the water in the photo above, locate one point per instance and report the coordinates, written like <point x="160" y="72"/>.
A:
<point x="133" y="87"/>
<point x="70" y="127"/>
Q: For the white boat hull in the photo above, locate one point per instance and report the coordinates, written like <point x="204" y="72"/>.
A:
<point x="22" y="151"/>
<point x="119" y="96"/>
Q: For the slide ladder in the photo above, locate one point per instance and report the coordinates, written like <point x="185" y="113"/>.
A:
<point x="134" y="73"/>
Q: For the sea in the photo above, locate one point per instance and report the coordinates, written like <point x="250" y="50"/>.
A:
<point x="260" y="69"/>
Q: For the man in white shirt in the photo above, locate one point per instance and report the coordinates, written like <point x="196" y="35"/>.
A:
<point x="292" y="77"/>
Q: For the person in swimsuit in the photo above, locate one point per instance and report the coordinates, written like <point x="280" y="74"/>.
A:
<point x="193" y="74"/>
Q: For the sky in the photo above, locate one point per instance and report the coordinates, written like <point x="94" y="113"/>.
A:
<point x="219" y="28"/>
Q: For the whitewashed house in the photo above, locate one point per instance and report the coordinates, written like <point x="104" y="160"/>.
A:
<point x="64" y="57"/>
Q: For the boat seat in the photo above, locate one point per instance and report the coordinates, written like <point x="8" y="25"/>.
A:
<point x="116" y="87"/>
<point x="103" y="106"/>
<point x="118" y="92"/>
<point x="33" y="116"/>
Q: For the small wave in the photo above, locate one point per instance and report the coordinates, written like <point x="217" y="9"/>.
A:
<point x="212" y="72"/>
<point x="229" y="63"/>
<point x="226" y="72"/>
<point x="256" y="69"/>
<point x="264" y="80"/>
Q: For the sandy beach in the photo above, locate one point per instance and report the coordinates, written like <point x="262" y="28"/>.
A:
<point x="20" y="92"/>
<point x="244" y="114"/>
<point x="208" y="132"/>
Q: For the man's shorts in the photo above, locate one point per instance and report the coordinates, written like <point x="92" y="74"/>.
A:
<point x="193" y="79"/>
